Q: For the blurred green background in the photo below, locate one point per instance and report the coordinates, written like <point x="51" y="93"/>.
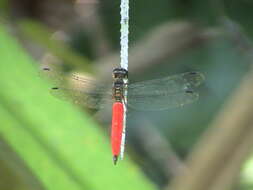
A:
<point x="46" y="143"/>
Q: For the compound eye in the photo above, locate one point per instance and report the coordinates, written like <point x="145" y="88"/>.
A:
<point x="120" y="73"/>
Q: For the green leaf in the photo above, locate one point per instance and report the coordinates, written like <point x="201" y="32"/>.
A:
<point x="247" y="175"/>
<point x="62" y="146"/>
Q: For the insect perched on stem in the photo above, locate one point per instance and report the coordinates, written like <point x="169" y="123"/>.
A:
<point x="158" y="94"/>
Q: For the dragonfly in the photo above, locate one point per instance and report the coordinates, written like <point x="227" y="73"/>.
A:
<point x="150" y="95"/>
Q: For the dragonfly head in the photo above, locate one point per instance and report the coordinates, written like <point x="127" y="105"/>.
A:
<point x="120" y="73"/>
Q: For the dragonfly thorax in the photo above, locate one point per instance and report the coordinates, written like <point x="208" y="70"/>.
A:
<point x="118" y="89"/>
<point x="119" y="76"/>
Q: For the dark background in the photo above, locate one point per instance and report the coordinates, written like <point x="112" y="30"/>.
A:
<point x="204" y="145"/>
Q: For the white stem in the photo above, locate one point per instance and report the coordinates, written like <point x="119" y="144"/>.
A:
<point x="124" y="12"/>
<point x="122" y="146"/>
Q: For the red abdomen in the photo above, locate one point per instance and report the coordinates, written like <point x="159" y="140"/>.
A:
<point x="117" y="127"/>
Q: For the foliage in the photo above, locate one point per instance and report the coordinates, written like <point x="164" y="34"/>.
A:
<point x="47" y="139"/>
<point x="60" y="145"/>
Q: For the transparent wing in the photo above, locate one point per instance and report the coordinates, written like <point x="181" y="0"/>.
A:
<point x="169" y="85"/>
<point x="158" y="94"/>
<point x="76" y="81"/>
<point x="79" y="90"/>
<point x="164" y="93"/>
<point x="161" y="102"/>
<point x="88" y="99"/>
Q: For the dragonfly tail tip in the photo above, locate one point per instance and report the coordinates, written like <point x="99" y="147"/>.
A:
<point x="115" y="159"/>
